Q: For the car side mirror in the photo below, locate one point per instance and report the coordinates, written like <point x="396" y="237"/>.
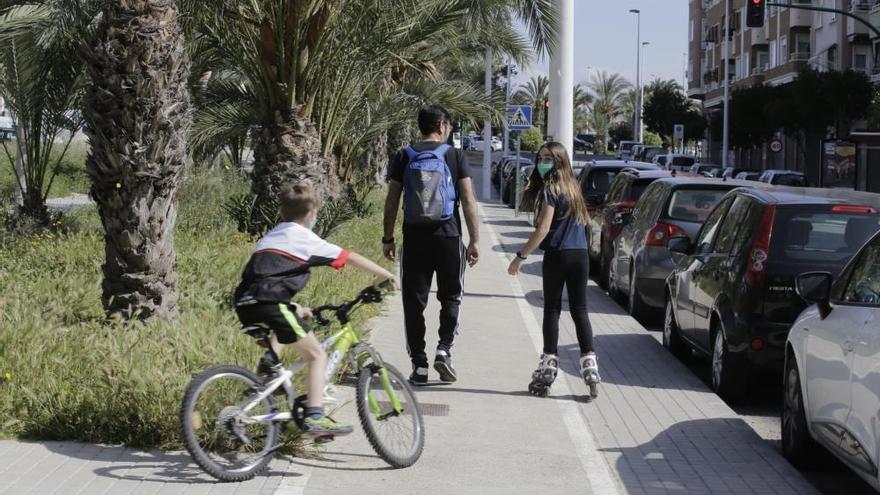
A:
<point x="815" y="288"/>
<point x="679" y="245"/>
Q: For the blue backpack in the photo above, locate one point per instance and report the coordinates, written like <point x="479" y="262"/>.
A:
<point x="428" y="191"/>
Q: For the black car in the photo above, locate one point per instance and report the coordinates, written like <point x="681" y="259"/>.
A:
<point x="668" y="208"/>
<point x="596" y="177"/>
<point x="581" y="145"/>
<point x="732" y="297"/>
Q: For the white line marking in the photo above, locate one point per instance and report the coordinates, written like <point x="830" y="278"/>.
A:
<point x="597" y="470"/>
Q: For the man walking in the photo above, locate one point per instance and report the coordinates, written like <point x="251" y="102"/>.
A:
<point x="432" y="179"/>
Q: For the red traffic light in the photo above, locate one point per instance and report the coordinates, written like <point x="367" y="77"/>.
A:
<point x="755" y="13"/>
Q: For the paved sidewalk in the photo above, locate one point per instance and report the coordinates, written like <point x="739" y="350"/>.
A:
<point x="655" y="428"/>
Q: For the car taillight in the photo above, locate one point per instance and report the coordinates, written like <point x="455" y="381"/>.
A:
<point x="662" y="232"/>
<point x="853" y="209"/>
<point x="756" y="274"/>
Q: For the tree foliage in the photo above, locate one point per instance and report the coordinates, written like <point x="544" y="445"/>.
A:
<point x="666" y="106"/>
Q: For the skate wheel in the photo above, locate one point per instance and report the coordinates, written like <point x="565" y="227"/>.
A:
<point x="324" y="439"/>
<point x="594" y="390"/>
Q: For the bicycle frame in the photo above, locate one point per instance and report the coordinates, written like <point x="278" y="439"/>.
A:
<point x="344" y="342"/>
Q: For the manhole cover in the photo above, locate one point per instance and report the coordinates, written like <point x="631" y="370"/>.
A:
<point x="428" y="408"/>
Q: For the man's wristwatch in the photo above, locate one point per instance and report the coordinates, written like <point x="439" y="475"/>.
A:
<point x="386" y="240"/>
<point x="520" y="256"/>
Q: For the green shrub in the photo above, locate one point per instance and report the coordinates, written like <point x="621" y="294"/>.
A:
<point x="531" y="139"/>
<point x="66" y="373"/>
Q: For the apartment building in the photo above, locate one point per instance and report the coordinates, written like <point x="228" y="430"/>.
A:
<point x="790" y="40"/>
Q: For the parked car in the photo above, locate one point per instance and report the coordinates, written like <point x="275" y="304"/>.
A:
<point x="732" y="172"/>
<point x="660" y="160"/>
<point x="509" y="193"/>
<point x="831" y="386"/>
<point x="609" y="220"/>
<point x="784" y="178"/>
<point x="498" y="165"/>
<point x="624" y="151"/>
<point x="706" y="170"/>
<point x="7" y="126"/>
<point x="647" y="153"/>
<point x="597" y="175"/>
<point x="677" y="162"/>
<point x="581" y="145"/>
<point x="589" y="138"/>
<point x="732" y="298"/>
<point x="668" y="208"/>
<point x="749" y="175"/>
<point x="497" y="144"/>
<point x="456" y="140"/>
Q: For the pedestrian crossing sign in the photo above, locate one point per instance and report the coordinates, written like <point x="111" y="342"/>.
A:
<point x="519" y="117"/>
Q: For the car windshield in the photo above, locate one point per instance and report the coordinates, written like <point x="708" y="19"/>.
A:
<point x="599" y="181"/>
<point x="637" y="188"/>
<point x="682" y="161"/>
<point x="820" y="235"/>
<point x="626" y="146"/>
<point x="693" y="205"/>
<point x="790" y="180"/>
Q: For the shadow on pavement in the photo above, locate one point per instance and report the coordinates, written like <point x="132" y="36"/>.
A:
<point x="508" y="223"/>
<point x="144" y="466"/>
<point x="516" y="393"/>
<point x="655" y="370"/>
<point x="704" y="456"/>
<point x="519" y="234"/>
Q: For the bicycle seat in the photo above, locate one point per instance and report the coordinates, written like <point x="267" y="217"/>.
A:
<point x="256" y="332"/>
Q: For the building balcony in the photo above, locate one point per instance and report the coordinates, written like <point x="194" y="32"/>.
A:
<point x="759" y="36"/>
<point x="874" y="16"/>
<point x="696" y="92"/>
<point x="799" y="57"/>
<point x="800" y="18"/>
<point x="784" y="73"/>
<point x="854" y="28"/>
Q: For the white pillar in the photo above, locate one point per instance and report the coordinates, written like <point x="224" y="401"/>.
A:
<point x="561" y="124"/>
<point x="726" y="130"/>
<point x="487" y="135"/>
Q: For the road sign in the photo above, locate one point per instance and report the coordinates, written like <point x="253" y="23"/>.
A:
<point x="678" y="132"/>
<point x="776" y="146"/>
<point x="519" y="117"/>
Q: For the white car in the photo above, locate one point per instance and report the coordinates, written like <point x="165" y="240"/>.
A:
<point x="7" y="126"/>
<point x="625" y="150"/>
<point x="456" y="140"/>
<point x="497" y="143"/>
<point x="675" y="161"/>
<point x="832" y="367"/>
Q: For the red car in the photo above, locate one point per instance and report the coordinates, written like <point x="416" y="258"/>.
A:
<point x="607" y="222"/>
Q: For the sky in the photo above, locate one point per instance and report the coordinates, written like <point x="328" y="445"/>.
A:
<point x="605" y="39"/>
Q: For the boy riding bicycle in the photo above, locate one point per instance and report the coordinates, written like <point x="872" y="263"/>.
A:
<point x="280" y="268"/>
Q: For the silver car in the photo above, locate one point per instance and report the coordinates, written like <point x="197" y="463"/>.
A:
<point x="675" y="207"/>
<point x="832" y="367"/>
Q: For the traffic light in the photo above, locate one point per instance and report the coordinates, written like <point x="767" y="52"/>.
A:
<point x="755" y="13"/>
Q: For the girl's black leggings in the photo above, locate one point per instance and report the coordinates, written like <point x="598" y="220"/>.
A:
<point x="572" y="270"/>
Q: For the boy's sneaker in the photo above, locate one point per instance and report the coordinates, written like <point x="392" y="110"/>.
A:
<point x="419" y="376"/>
<point x="325" y="425"/>
<point x="443" y="365"/>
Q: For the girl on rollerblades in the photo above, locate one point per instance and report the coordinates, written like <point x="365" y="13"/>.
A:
<point x="560" y="232"/>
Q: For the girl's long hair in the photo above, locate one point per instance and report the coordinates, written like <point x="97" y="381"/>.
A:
<point x="559" y="182"/>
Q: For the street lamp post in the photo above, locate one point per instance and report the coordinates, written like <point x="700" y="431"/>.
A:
<point x="638" y="110"/>
<point x="642" y="104"/>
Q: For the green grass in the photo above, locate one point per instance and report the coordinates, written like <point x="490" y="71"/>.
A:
<point x="68" y="374"/>
<point x="71" y="177"/>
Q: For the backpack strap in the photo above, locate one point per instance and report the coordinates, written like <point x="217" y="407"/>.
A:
<point x="411" y="153"/>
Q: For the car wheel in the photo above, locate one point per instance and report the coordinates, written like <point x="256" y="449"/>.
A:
<point x="671" y="336"/>
<point x="636" y="306"/>
<point x="797" y="444"/>
<point x="729" y="377"/>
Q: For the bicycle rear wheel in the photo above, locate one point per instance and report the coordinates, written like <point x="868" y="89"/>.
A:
<point x="396" y="434"/>
<point x="221" y="437"/>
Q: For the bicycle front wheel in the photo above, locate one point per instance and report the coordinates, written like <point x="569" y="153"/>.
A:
<point x="390" y="415"/>
<point x="217" y="422"/>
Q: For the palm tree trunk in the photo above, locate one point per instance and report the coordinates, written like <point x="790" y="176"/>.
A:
<point x="139" y="115"/>
<point x="398" y="137"/>
<point x="289" y="152"/>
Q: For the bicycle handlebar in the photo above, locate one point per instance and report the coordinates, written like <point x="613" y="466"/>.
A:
<point x="368" y="295"/>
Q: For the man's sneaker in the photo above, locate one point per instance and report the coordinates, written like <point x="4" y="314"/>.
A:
<point x="419" y="376"/>
<point x="325" y="425"/>
<point x="443" y="365"/>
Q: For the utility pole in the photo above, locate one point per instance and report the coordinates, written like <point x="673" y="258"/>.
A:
<point x="507" y="101"/>
<point x="487" y="135"/>
<point x="638" y="110"/>
<point x="725" y="140"/>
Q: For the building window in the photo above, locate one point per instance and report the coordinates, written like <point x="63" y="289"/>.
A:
<point x="773" y="54"/>
<point x="832" y="58"/>
<point x="802" y="46"/>
<point x="783" y="50"/>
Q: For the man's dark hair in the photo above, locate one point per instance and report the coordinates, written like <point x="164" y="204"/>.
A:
<point x="430" y="118"/>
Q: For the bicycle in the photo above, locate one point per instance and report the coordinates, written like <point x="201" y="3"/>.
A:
<point x="232" y="431"/>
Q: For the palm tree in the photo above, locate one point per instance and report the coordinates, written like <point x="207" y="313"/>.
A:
<point x="41" y="85"/>
<point x="534" y="92"/>
<point x="138" y="114"/>
<point x="609" y="100"/>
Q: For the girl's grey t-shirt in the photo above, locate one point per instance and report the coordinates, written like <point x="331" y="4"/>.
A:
<point x="565" y="233"/>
